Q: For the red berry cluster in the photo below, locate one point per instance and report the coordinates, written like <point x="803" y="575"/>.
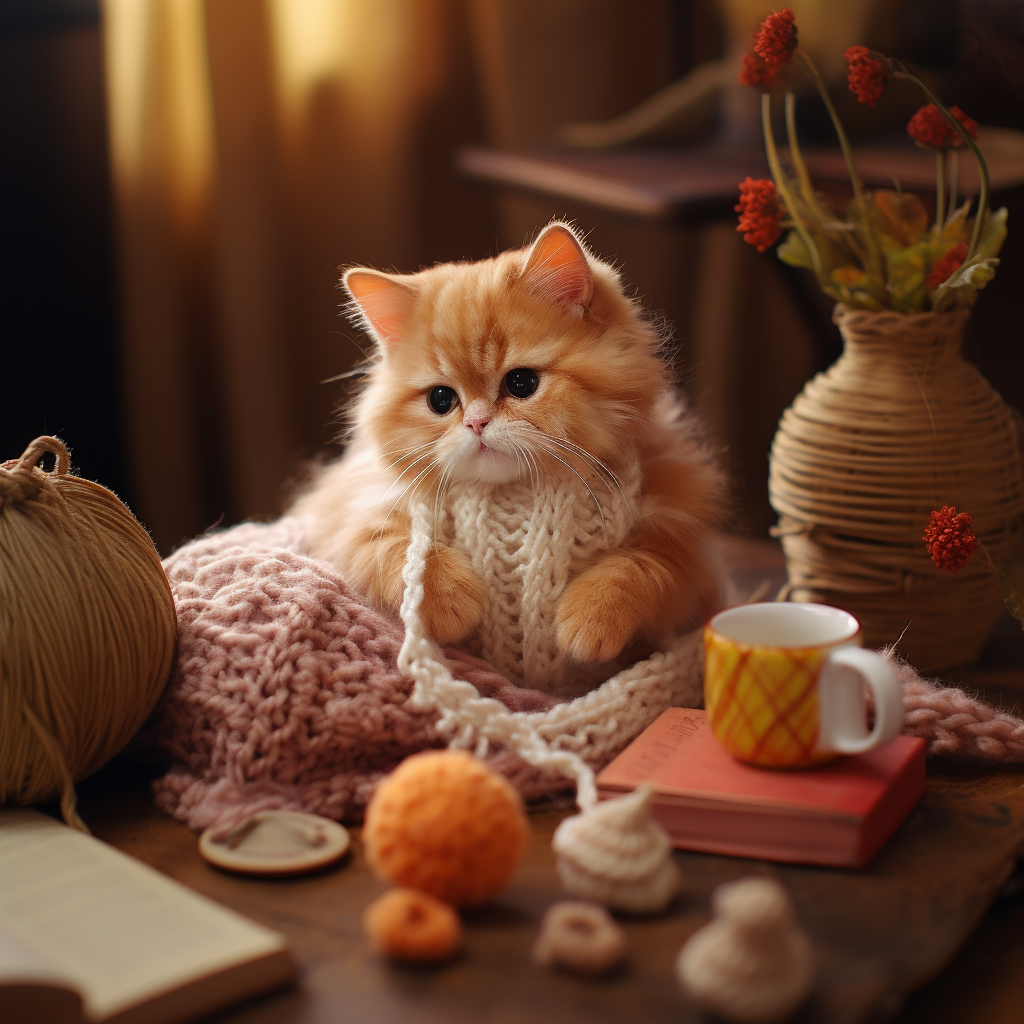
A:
<point x="774" y="44"/>
<point x="867" y="75"/>
<point x="757" y="73"/>
<point x="946" y="264"/>
<point x="760" y="212"/>
<point x="775" y="41"/>
<point x="929" y="128"/>
<point x="949" y="538"/>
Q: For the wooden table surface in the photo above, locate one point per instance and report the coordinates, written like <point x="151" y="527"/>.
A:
<point x="879" y="934"/>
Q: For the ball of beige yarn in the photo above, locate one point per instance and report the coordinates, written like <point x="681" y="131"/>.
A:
<point x="87" y="630"/>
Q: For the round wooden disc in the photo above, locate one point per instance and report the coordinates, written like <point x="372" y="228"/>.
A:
<point x="276" y="843"/>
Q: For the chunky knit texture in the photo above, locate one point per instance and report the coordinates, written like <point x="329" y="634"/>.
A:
<point x="286" y="692"/>
<point x="953" y="722"/>
<point x="535" y="536"/>
<point x="287" y="689"/>
<point x="525" y="543"/>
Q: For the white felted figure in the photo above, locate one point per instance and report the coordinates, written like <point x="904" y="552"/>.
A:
<point x="752" y="964"/>
<point x="619" y="855"/>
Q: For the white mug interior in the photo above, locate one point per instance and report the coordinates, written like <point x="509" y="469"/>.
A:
<point x="783" y="624"/>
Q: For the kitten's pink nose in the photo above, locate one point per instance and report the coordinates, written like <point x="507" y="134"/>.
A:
<point x="477" y="415"/>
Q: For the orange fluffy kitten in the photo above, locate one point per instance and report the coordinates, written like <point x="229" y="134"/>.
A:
<point x="530" y="364"/>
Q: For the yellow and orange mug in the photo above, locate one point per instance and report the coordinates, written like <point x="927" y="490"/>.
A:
<point x="785" y="685"/>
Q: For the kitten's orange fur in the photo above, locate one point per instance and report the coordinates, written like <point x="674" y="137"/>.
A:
<point x="604" y="390"/>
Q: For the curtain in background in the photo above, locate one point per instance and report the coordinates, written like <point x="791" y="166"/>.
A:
<point x="256" y="146"/>
<point x="259" y="144"/>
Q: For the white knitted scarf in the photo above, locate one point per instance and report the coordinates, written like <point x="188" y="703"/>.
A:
<point x="525" y="543"/>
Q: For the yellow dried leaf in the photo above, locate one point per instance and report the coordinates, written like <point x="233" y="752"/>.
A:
<point x="902" y="216"/>
<point x="850" y="277"/>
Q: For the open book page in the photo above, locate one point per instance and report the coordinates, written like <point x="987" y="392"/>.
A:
<point x="17" y="964"/>
<point x="32" y="990"/>
<point x="120" y="931"/>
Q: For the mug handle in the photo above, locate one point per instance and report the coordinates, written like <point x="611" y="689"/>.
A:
<point x="841" y="701"/>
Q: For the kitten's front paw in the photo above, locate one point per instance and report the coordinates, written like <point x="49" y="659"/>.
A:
<point x="596" y="617"/>
<point x="453" y="596"/>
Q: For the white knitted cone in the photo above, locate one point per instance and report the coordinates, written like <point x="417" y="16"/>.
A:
<point x="752" y="964"/>
<point x="617" y="854"/>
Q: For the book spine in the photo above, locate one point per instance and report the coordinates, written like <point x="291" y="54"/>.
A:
<point x="899" y="799"/>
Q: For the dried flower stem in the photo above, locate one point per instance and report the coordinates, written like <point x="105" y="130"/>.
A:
<point x="940" y="190"/>
<point x="1011" y="585"/>
<point x="876" y="265"/>
<point x="782" y="184"/>
<point x="982" y="552"/>
<point x="954" y="170"/>
<point x="802" y="174"/>
<point x="844" y="142"/>
<point x="794" y="148"/>
<point x="900" y="71"/>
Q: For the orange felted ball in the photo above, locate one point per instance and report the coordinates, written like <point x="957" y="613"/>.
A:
<point x="408" y="925"/>
<point x="447" y="825"/>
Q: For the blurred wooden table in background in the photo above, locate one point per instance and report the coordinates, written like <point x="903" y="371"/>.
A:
<point x="695" y="184"/>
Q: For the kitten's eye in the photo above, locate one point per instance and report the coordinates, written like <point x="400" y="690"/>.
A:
<point x="521" y="382"/>
<point x="442" y="399"/>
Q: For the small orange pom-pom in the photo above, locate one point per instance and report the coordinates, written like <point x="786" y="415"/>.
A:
<point x="408" y="925"/>
<point x="445" y="824"/>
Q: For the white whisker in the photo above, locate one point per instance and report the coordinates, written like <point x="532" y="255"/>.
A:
<point x="596" y="463"/>
<point x="379" y="532"/>
<point x="517" y="452"/>
<point x="531" y="463"/>
<point x="535" y="473"/>
<point x="584" y="455"/>
<point x="406" y="470"/>
<point x="412" y="484"/>
<point x="578" y="477"/>
<point x="411" y="451"/>
<point x="441" y="494"/>
<point x="592" y="460"/>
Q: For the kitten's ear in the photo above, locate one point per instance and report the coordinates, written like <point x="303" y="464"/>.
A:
<point x="385" y="302"/>
<point x="557" y="267"/>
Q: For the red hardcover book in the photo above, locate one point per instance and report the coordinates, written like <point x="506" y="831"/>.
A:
<point x="838" y="814"/>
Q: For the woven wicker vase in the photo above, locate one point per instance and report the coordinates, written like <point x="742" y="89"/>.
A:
<point x="900" y="425"/>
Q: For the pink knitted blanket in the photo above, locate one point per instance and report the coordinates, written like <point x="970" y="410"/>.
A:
<point x="285" y="691"/>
